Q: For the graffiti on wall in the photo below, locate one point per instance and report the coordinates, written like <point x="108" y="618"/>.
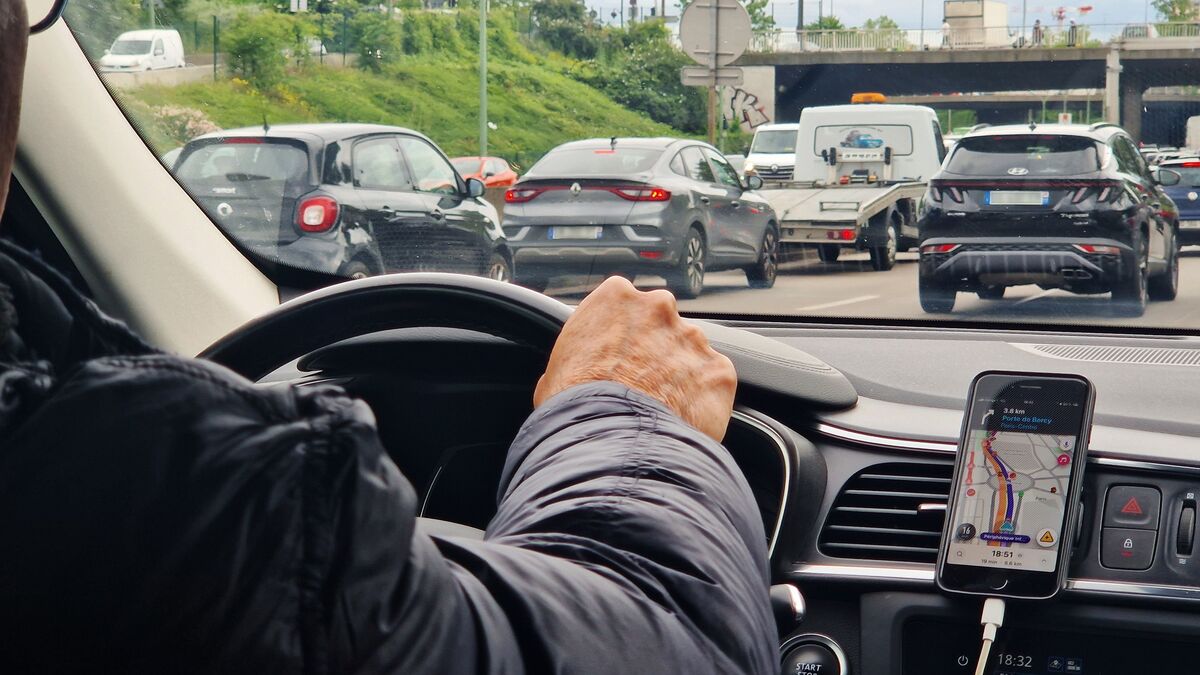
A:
<point x="745" y="108"/>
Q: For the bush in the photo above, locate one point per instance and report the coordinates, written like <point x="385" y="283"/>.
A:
<point x="258" y="45"/>
<point x="566" y="26"/>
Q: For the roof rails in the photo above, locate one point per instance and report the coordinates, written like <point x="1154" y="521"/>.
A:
<point x="1100" y="125"/>
<point x="977" y="127"/>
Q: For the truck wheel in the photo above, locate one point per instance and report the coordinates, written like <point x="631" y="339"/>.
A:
<point x="762" y="273"/>
<point x="828" y="252"/>
<point x="1166" y="285"/>
<point x="883" y="258"/>
<point x="1129" y="293"/>
<point x="936" y="298"/>
<point x="687" y="280"/>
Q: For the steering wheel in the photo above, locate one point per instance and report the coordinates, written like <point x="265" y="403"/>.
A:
<point x="390" y="301"/>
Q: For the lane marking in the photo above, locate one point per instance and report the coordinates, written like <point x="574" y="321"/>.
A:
<point x="1034" y="297"/>
<point x="836" y="303"/>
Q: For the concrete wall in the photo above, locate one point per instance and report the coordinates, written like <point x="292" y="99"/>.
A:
<point x="168" y="77"/>
<point x="753" y="102"/>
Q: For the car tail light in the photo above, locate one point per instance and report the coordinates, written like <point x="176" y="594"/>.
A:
<point x="1100" y="250"/>
<point x="653" y="194"/>
<point x="1189" y="165"/>
<point x="317" y="214"/>
<point x="651" y="255"/>
<point x="520" y="195"/>
<point x="1104" y="190"/>
<point x="848" y="235"/>
<point x="939" y="248"/>
<point x="243" y="141"/>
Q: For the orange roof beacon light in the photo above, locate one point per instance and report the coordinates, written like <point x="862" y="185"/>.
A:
<point x="868" y="97"/>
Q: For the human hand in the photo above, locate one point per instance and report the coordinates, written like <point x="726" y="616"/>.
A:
<point x="620" y="334"/>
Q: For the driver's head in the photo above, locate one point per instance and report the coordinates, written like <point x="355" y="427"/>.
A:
<point x="14" y="31"/>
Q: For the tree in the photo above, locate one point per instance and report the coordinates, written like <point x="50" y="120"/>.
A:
<point x="1176" y="10"/>
<point x="826" y="23"/>
<point x="380" y="40"/>
<point x="258" y="45"/>
<point x="882" y="23"/>
<point x="567" y="27"/>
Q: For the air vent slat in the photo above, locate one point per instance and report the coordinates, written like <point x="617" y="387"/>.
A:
<point x="876" y="515"/>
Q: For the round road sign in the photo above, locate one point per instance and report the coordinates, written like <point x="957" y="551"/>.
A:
<point x="728" y="35"/>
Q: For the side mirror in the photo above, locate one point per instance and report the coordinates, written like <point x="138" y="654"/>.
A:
<point x="753" y="182"/>
<point x="489" y="174"/>
<point x="475" y="187"/>
<point x="1167" y="177"/>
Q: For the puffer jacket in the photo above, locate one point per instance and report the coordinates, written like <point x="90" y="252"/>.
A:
<point x="163" y="515"/>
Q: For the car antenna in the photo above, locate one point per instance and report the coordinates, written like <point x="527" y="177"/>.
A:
<point x="1032" y="124"/>
<point x="266" y="126"/>
<point x="612" y="143"/>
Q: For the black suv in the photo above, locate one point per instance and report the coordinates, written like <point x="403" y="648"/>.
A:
<point x="346" y="199"/>
<point x="1061" y="206"/>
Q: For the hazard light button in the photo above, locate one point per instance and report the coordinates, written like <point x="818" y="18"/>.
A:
<point x="1132" y="506"/>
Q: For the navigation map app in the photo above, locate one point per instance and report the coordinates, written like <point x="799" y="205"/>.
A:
<point x="1011" y="502"/>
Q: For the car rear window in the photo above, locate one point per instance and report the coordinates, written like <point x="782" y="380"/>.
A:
<point x="774" y="142"/>
<point x="1033" y="155"/>
<point x="1189" y="170"/>
<point x="243" y="159"/>
<point x="595" y="161"/>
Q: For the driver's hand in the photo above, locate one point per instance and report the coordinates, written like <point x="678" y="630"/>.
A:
<point x="620" y="334"/>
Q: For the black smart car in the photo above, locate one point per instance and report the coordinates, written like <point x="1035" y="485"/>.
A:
<point x="1061" y="206"/>
<point x="347" y="199"/>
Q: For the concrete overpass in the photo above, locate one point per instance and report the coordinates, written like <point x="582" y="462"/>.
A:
<point x="1123" y="73"/>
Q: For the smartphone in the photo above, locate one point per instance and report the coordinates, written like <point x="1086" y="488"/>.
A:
<point x="1017" y="478"/>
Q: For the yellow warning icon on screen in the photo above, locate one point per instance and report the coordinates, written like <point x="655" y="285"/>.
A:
<point x="1046" y="537"/>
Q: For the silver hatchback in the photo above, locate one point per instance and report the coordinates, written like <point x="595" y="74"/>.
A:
<point x="663" y="206"/>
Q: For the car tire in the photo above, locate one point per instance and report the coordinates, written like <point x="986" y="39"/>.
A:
<point x="355" y="269"/>
<point x="1129" y="294"/>
<point x="936" y="297"/>
<point x="1166" y="285"/>
<point x="883" y="258"/>
<point x="762" y="273"/>
<point x="829" y="252"/>
<point x="687" y="280"/>
<point x="499" y="269"/>
<point x="991" y="292"/>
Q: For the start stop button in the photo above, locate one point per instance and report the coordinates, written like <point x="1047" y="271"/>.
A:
<point x="813" y="654"/>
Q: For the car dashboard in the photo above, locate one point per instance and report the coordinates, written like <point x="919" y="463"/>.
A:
<point x="853" y="500"/>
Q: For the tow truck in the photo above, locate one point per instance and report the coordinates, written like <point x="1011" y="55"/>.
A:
<point x="860" y="171"/>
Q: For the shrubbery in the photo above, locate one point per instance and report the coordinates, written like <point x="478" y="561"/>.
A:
<point x="257" y="46"/>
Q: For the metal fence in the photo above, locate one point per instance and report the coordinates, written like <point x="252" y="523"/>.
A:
<point x="993" y="37"/>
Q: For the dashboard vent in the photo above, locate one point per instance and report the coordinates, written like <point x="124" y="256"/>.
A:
<point x="889" y="512"/>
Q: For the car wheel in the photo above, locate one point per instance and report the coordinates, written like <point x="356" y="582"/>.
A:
<point x="762" y="273"/>
<point x="1129" y="294"/>
<point x="498" y="269"/>
<point x="991" y="292"/>
<point x="1166" y="285"/>
<point x="687" y="281"/>
<point x="936" y="297"/>
<point x="883" y="258"/>
<point x="829" y="252"/>
<point x="355" y="269"/>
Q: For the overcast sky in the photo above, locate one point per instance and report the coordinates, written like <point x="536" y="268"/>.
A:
<point x="908" y="12"/>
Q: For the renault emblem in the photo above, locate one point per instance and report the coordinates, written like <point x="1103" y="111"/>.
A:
<point x="1018" y="171"/>
<point x="224" y="209"/>
<point x="576" y="188"/>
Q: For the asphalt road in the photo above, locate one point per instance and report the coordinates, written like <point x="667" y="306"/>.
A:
<point x="850" y="288"/>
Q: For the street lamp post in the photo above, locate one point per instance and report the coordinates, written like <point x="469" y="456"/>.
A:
<point x="483" y="116"/>
<point x="922" y="48"/>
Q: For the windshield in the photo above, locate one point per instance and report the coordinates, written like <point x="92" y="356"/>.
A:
<point x="774" y="142"/>
<point x="1032" y="155"/>
<point x="130" y="47"/>
<point x="363" y="120"/>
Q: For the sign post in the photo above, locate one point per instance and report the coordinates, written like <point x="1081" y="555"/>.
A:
<point x="714" y="33"/>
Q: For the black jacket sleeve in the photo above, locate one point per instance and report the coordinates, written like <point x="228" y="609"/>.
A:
<point x="163" y="515"/>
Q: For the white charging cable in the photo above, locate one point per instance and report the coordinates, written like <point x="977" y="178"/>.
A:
<point x="992" y="619"/>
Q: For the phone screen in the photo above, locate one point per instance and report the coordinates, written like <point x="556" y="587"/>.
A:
<point x="1015" y="486"/>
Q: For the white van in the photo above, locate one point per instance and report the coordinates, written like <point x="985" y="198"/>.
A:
<point x="772" y="152"/>
<point x="142" y="50"/>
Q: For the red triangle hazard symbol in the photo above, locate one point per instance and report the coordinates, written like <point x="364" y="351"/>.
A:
<point x="1132" y="507"/>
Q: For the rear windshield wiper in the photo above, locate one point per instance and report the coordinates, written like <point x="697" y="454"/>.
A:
<point x="242" y="177"/>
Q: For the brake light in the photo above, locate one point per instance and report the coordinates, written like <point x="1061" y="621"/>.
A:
<point x="955" y="194"/>
<point x="939" y="248"/>
<point x="1100" y="250"/>
<point x="651" y="255"/>
<point x="1190" y="165"/>
<point x="844" y="180"/>
<point x="520" y="195"/>
<point x="848" y="235"/>
<point x="654" y="194"/>
<point x="242" y="141"/>
<point x="317" y="214"/>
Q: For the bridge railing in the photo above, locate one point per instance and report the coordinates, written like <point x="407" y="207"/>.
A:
<point x="994" y="37"/>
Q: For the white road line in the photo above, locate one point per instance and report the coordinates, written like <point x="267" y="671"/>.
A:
<point x="1033" y="297"/>
<point x="837" y="303"/>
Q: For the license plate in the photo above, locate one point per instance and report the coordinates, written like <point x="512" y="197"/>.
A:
<point x="1018" y="198"/>
<point x="576" y="232"/>
<point x="1190" y="224"/>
